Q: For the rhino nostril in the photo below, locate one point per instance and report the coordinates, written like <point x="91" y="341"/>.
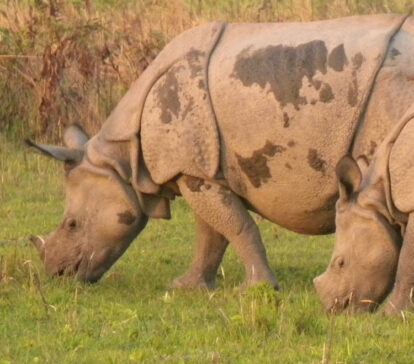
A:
<point x="346" y="303"/>
<point x="39" y="243"/>
<point x="76" y="266"/>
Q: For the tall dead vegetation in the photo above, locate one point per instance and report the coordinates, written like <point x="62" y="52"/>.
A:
<point x="67" y="61"/>
<point x="61" y="63"/>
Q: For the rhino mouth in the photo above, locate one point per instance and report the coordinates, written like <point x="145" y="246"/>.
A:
<point x="353" y="305"/>
<point x="339" y="306"/>
<point x="69" y="270"/>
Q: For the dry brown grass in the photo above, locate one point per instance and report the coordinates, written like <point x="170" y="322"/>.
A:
<point x="71" y="61"/>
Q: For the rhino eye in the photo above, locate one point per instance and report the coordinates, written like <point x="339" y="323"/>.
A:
<point x="340" y="262"/>
<point x="71" y="224"/>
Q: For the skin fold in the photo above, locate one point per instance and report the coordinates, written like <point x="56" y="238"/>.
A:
<point x="233" y="118"/>
<point x="374" y="240"/>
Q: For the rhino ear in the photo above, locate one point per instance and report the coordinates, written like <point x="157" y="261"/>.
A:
<point x="75" y="137"/>
<point x="349" y="177"/>
<point x="363" y="164"/>
<point x="67" y="155"/>
<point x="154" y="206"/>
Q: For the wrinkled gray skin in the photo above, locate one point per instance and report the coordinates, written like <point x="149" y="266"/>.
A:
<point x="374" y="245"/>
<point x="364" y="261"/>
<point x="101" y="217"/>
<point x="232" y="118"/>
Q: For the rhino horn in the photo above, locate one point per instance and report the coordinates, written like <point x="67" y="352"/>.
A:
<point x="39" y="243"/>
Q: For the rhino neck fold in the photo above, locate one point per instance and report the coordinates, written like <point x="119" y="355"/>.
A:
<point x="360" y="112"/>
<point x="378" y="175"/>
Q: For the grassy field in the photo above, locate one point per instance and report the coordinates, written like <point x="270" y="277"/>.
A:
<point x="71" y="62"/>
<point x="131" y="315"/>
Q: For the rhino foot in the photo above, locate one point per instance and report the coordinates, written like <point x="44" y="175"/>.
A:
<point x="192" y="281"/>
<point x="400" y="301"/>
<point x="252" y="281"/>
<point x="392" y="310"/>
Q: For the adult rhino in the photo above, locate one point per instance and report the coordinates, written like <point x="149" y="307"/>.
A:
<point x="374" y="247"/>
<point x="233" y="117"/>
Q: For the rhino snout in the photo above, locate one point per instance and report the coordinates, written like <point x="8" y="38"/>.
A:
<point x="331" y="300"/>
<point x="336" y="298"/>
<point x="316" y="281"/>
<point x="321" y="291"/>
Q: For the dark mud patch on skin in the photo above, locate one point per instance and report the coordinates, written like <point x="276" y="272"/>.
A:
<point x="317" y="84"/>
<point x="394" y="53"/>
<point x="353" y="92"/>
<point x="315" y="161"/>
<point x="194" y="58"/>
<point x="126" y="218"/>
<point x="194" y="184"/>
<point x="288" y="166"/>
<point x="255" y="167"/>
<point x="286" y="120"/>
<point x="291" y="143"/>
<point x="337" y="59"/>
<point x="225" y="195"/>
<point x="188" y="108"/>
<point x="283" y="68"/>
<point x="357" y="61"/>
<point x="167" y="95"/>
<point x="325" y="94"/>
<point x="372" y="148"/>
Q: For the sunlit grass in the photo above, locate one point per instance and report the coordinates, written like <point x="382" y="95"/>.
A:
<point x="132" y="315"/>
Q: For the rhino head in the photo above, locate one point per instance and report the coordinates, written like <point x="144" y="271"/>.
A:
<point x="104" y="210"/>
<point x="362" y="269"/>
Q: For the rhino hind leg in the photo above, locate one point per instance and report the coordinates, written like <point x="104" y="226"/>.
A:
<point x="210" y="247"/>
<point x="224" y="212"/>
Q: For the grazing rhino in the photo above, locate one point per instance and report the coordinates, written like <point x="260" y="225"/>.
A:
<point x="374" y="247"/>
<point x="232" y="117"/>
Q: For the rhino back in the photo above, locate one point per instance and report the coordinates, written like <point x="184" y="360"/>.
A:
<point x="287" y="98"/>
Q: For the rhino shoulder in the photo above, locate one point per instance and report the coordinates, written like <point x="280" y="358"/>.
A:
<point x="125" y="120"/>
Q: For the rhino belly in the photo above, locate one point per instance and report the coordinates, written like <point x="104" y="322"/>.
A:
<point x="288" y="182"/>
<point x="283" y="184"/>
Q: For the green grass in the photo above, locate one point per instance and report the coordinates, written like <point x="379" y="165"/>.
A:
<point x="131" y="315"/>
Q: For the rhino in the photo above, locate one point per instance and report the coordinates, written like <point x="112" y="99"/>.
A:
<point x="233" y="118"/>
<point x="374" y="229"/>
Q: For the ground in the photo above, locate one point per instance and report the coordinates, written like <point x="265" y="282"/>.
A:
<point x="131" y="315"/>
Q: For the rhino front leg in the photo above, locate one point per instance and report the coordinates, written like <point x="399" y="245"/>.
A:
<point x="402" y="295"/>
<point x="225" y="213"/>
<point x="210" y="247"/>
